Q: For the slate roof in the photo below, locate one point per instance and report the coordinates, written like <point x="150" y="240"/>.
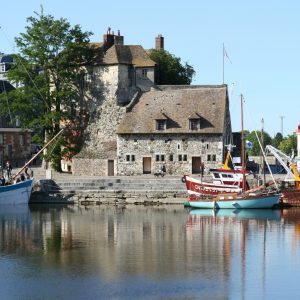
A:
<point x="5" y="86"/>
<point x="120" y="54"/>
<point x="179" y="104"/>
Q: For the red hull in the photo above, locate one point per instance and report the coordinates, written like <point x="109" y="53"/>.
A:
<point x="198" y="188"/>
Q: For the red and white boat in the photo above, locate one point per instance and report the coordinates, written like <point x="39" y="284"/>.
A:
<point x="224" y="180"/>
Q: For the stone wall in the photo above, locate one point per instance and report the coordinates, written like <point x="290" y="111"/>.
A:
<point x="174" y="150"/>
<point x="90" y="167"/>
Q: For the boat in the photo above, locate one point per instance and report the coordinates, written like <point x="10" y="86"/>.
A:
<point x="241" y="200"/>
<point x="224" y="180"/>
<point x="19" y="192"/>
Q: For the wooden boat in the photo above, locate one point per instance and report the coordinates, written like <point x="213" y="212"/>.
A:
<point x="18" y="193"/>
<point x="241" y="200"/>
<point x="224" y="180"/>
<point x="237" y="201"/>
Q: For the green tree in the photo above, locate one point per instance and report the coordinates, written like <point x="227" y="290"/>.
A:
<point x="48" y="68"/>
<point x="255" y="151"/>
<point x="277" y="140"/>
<point x="169" y="69"/>
<point x="289" y="144"/>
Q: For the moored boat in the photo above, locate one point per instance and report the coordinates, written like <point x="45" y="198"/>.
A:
<point x="18" y="193"/>
<point x="241" y="200"/>
<point x="237" y="201"/>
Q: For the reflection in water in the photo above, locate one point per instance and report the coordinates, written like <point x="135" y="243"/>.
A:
<point x="148" y="252"/>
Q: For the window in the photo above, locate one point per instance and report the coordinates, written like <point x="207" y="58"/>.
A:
<point x="161" y="124"/>
<point x="184" y="157"/>
<point x="208" y="157"/>
<point x="214" y="158"/>
<point x="179" y="157"/>
<point x="21" y="139"/>
<point x="194" y="124"/>
<point x="171" y="157"/>
<point x="178" y="146"/>
<point x="1" y="139"/>
<point x="130" y="157"/>
<point x="144" y="73"/>
<point x="217" y="175"/>
<point x="159" y="157"/>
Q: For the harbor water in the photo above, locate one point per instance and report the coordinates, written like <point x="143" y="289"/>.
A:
<point x="148" y="252"/>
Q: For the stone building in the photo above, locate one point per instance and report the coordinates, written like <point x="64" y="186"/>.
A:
<point x="181" y="127"/>
<point x="134" y="126"/>
<point x="15" y="142"/>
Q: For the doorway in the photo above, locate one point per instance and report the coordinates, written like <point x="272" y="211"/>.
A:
<point x="111" y="167"/>
<point x="196" y="164"/>
<point x="146" y="165"/>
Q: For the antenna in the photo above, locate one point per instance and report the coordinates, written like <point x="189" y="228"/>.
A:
<point x="282" y="117"/>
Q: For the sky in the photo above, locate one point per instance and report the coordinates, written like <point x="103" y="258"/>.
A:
<point x="261" y="40"/>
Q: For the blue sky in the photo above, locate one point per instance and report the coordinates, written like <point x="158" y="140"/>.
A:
<point x="262" y="40"/>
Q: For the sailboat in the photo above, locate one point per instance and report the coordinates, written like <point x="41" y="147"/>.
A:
<point x="238" y="200"/>
<point x="20" y="192"/>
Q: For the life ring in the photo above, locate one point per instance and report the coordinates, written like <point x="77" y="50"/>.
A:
<point x="183" y="179"/>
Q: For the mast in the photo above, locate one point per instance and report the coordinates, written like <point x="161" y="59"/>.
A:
<point x="36" y="155"/>
<point x="243" y="145"/>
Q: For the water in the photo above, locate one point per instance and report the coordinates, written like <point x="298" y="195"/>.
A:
<point x="148" y="252"/>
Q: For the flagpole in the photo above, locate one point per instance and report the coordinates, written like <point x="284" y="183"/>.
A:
<point x="223" y="63"/>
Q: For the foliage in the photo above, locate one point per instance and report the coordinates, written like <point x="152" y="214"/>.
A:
<point x="277" y="140"/>
<point x="255" y="151"/>
<point x="48" y="71"/>
<point x="169" y="69"/>
<point x="289" y="144"/>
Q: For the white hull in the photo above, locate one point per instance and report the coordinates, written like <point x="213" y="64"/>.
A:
<point x="18" y="193"/>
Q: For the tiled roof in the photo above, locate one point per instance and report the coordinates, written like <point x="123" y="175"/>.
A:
<point x="119" y="54"/>
<point x="179" y="104"/>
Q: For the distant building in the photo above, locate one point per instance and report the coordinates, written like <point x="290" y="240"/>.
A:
<point x="14" y="141"/>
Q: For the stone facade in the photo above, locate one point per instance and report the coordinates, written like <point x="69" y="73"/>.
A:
<point x="138" y="154"/>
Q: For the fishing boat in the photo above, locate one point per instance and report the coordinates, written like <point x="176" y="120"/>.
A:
<point x="19" y="192"/>
<point x="224" y="180"/>
<point x="242" y="200"/>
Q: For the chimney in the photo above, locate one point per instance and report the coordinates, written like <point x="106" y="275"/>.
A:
<point x="119" y="39"/>
<point x="108" y="39"/>
<point x="159" y="42"/>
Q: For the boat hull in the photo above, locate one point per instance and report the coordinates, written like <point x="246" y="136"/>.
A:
<point x="197" y="187"/>
<point x="18" y="193"/>
<point x="237" y="202"/>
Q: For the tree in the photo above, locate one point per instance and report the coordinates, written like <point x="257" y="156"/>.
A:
<point x="255" y="151"/>
<point x="289" y="144"/>
<point x="48" y="68"/>
<point x="169" y="69"/>
<point x="277" y="140"/>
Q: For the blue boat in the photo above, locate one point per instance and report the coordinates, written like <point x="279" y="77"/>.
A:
<point x="238" y="201"/>
<point x="17" y="193"/>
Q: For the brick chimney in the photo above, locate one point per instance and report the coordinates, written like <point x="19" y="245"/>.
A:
<point x="159" y="42"/>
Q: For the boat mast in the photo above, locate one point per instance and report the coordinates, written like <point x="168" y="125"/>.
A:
<point x="243" y="145"/>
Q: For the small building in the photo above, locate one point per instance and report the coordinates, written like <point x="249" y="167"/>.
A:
<point x="182" y="127"/>
<point x="15" y="142"/>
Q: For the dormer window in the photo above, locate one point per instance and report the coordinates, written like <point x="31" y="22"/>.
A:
<point x="161" y="124"/>
<point x="194" y="124"/>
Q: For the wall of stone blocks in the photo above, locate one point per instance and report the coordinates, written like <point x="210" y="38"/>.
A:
<point x="136" y="147"/>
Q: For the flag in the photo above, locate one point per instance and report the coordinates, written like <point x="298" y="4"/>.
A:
<point x="249" y="145"/>
<point x="225" y="54"/>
